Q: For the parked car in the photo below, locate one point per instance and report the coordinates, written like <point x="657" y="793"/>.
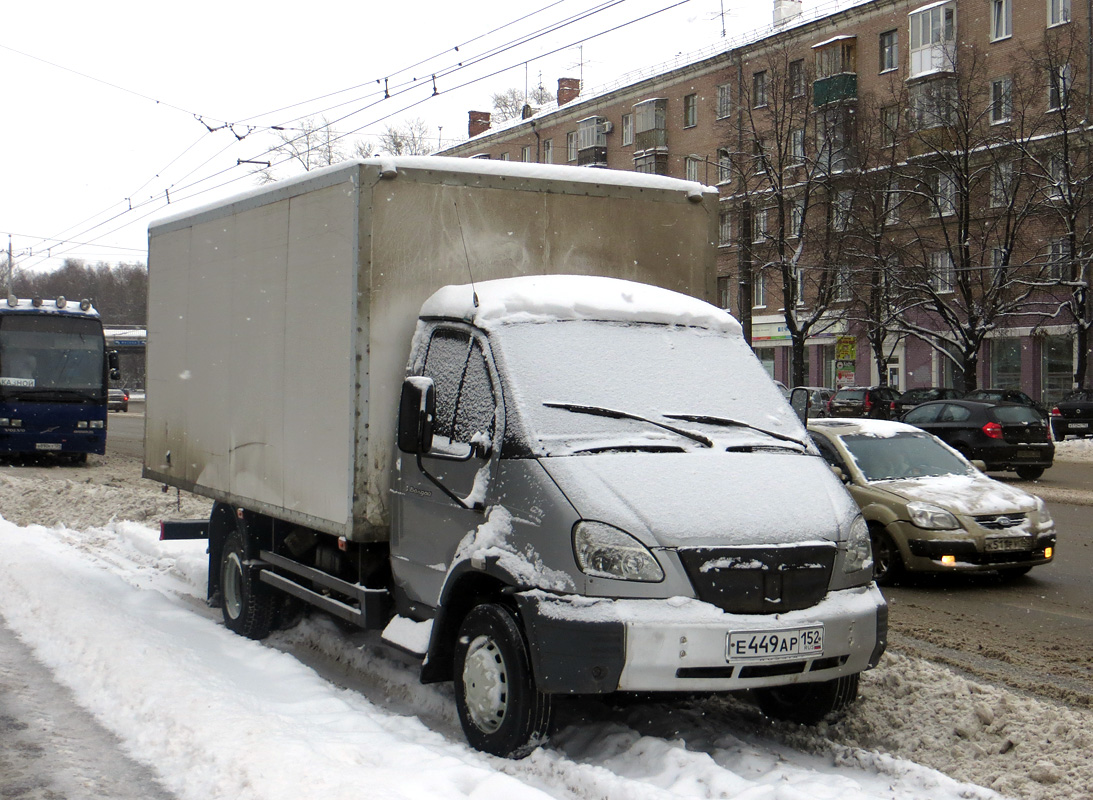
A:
<point x="1073" y="415"/>
<point x="1006" y="396"/>
<point x="862" y="401"/>
<point x="924" y="394"/>
<point x="117" y="400"/>
<point x="783" y="389"/>
<point x="1005" y="436"/>
<point x="817" y="399"/>
<point x="928" y="508"/>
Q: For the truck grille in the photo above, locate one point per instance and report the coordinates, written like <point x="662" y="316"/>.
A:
<point x="759" y="580"/>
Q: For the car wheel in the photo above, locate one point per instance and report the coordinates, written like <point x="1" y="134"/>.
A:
<point x="247" y="603"/>
<point x="1030" y="473"/>
<point x="808" y="703"/>
<point x="501" y="710"/>
<point x="887" y="561"/>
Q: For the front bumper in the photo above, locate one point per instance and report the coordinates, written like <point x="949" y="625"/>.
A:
<point x="966" y="555"/>
<point x="581" y="645"/>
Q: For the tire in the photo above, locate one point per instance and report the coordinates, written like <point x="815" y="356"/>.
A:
<point x="887" y="561"/>
<point x="1030" y="473"/>
<point x="809" y="703"/>
<point x="247" y="604"/>
<point x="500" y="708"/>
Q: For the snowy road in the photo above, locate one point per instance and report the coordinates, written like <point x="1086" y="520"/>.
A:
<point x="116" y="617"/>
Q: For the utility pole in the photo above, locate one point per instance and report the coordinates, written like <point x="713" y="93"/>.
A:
<point x="8" y="271"/>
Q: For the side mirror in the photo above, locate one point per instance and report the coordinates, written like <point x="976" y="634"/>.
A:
<point x="114" y="364"/>
<point x="842" y="476"/>
<point x="416" y="412"/>
<point x="979" y="465"/>
<point x="798" y="399"/>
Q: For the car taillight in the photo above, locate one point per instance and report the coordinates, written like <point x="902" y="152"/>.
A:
<point x="993" y="430"/>
<point x="829" y="404"/>
<point x="1055" y="412"/>
<point x="867" y="403"/>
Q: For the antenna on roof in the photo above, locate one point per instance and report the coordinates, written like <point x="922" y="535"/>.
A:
<point x="466" y="254"/>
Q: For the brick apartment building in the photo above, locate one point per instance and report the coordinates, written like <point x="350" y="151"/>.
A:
<point x="906" y="187"/>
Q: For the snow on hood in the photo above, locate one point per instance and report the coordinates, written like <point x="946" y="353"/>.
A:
<point x="712" y="498"/>
<point x="970" y="495"/>
<point x="543" y="298"/>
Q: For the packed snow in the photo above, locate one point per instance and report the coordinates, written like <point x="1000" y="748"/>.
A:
<point x="118" y="617"/>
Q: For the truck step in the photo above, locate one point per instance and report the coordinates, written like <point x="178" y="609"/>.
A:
<point x="370" y="609"/>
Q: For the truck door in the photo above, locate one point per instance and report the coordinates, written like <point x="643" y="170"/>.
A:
<point x="443" y="495"/>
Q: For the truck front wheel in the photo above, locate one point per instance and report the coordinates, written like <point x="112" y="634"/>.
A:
<point x="247" y="603"/>
<point x="809" y="703"/>
<point x="500" y="708"/>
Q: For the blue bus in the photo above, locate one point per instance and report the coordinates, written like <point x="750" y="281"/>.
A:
<point x="54" y="371"/>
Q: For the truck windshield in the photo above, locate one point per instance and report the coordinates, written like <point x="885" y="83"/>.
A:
<point x="50" y="353"/>
<point x="657" y="372"/>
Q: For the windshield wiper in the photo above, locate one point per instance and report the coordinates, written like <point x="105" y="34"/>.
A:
<point x="736" y="423"/>
<point x="610" y="413"/>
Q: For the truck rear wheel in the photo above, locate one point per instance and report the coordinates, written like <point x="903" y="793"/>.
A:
<point x="247" y="603"/>
<point x="500" y="708"/>
<point x="809" y="703"/>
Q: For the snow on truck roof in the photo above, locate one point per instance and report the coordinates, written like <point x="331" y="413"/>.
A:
<point x="543" y="298"/>
<point x="389" y="166"/>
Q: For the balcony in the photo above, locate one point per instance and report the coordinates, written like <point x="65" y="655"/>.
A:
<point x="835" y="89"/>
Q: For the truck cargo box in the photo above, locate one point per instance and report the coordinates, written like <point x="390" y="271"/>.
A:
<point x="279" y="321"/>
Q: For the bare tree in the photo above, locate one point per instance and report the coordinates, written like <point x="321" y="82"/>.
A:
<point x="309" y="146"/>
<point x="410" y="138"/>
<point x="510" y="103"/>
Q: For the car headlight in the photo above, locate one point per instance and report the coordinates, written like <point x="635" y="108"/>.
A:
<point x="859" y="550"/>
<point x="604" y="551"/>
<point x="1045" y="515"/>
<point x="931" y="517"/>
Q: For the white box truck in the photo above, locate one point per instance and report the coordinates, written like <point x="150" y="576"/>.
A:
<point x="486" y="408"/>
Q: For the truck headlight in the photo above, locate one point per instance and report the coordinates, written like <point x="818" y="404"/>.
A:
<point x="931" y="517"/>
<point x="859" y="550"/>
<point x="604" y="551"/>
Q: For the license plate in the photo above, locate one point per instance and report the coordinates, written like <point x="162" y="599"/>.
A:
<point x="1009" y="544"/>
<point x="47" y="446"/>
<point x="1028" y="453"/>
<point x="777" y="645"/>
<point x="1079" y="426"/>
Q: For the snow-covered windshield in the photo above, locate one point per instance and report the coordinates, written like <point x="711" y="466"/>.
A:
<point x="904" y="455"/>
<point x="642" y="370"/>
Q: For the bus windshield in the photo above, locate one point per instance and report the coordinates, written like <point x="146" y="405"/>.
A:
<point x="50" y="352"/>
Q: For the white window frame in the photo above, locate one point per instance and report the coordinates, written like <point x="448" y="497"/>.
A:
<point x="843" y="290"/>
<point x="724" y="100"/>
<point x="571" y="146"/>
<point x="1001" y="19"/>
<point x="893" y="199"/>
<point x="1058" y="90"/>
<point x="797" y="87"/>
<point x="841" y="210"/>
<point x="1056" y="168"/>
<point x="1058" y="258"/>
<point x="690" y="110"/>
<point x="548" y="151"/>
<point x="796" y="217"/>
<point x="889" y="51"/>
<point x="945" y="194"/>
<point x="724" y="165"/>
<point x="724" y="229"/>
<point x="1058" y="12"/>
<point x="1001" y="184"/>
<point x="525" y="154"/>
<point x="942" y="277"/>
<point x="693" y="168"/>
<point x="1001" y="100"/>
<point x="627" y="130"/>
<point x="932" y="38"/>
<point x="759" y="89"/>
<point x="762" y="216"/>
<point x="758" y="290"/>
<point x="797" y="146"/>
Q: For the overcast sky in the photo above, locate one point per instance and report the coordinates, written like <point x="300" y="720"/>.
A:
<point x="111" y="106"/>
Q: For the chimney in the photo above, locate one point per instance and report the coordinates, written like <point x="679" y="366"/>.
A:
<point x="568" y="89"/>
<point x="785" y="10"/>
<point x="477" y="122"/>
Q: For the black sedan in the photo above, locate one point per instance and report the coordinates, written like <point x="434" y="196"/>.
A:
<point x="1005" y="396"/>
<point x="1073" y="415"/>
<point x="1004" y="436"/>
<point x="923" y="394"/>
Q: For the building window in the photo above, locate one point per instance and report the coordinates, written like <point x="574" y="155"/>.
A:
<point x="889" y="120"/>
<point x="592" y="142"/>
<point x="942" y="275"/>
<point x="759" y="157"/>
<point x="1058" y="87"/>
<point x="1058" y="264"/>
<point x="724" y="292"/>
<point x="724" y="228"/>
<point x="1058" y="12"/>
<point x="844" y="286"/>
<point x="841" y="209"/>
<point x="503" y="157"/>
<point x="627" y="129"/>
<point x="1001" y="100"/>
<point x="1001" y="184"/>
<point x="933" y="103"/>
<point x="943" y="186"/>
<point x="799" y="286"/>
<point x="1056" y="167"/>
<point x="759" y="89"/>
<point x="571" y="146"/>
<point x="724" y="165"/>
<point x="690" y="110"/>
<point x="933" y="37"/>
<point x="796" y="218"/>
<point x="724" y="100"/>
<point x="1001" y="19"/>
<point x="1057" y="368"/>
<point x="1006" y="363"/>
<point x="762" y="215"/>
<point x="797" y="85"/>
<point x="693" y="166"/>
<point x="889" y="51"/>
<point x="758" y="290"/>
<point x="893" y="199"/>
<point x="797" y="146"/>
<point x="525" y="153"/>
<point x="548" y="151"/>
<point x="836" y="57"/>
